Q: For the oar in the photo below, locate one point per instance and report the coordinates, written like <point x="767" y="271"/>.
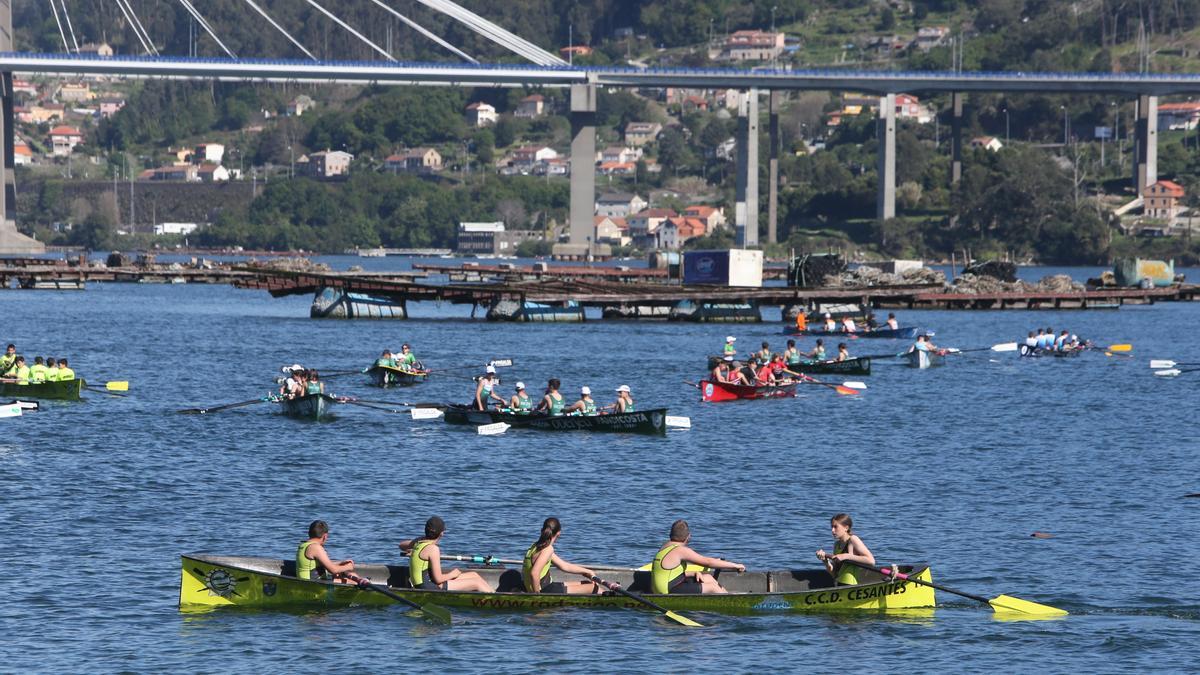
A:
<point x="1174" y="372"/>
<point x="202" y="411"/>
<point x="841" y="389"/>
<point x="433" y="612"/>
<point x="1169" y="364"/>
<point x="493" y="560"/>
<point x="1002" y="347"/>
<point x="364" y="404"/>
<point x="104" y="390"/>
<point x="1000" y="603"/>
<point x="498" y="363"/>
<point x="677" y="618"/>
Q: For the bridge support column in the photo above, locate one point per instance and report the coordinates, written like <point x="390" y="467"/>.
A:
<point x="11" y="241"/>
<point x="885" y="202"/>
<point x="773" y="105"/>
<point x="583" y="165"/>
<point x="746" y="208"/>
<point x="956" y="104"/>
<point x="1145" y="171"/>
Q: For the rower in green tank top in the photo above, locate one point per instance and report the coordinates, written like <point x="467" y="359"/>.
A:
<point x="313" y="562"/>
<point x="485" y="391"/>
<point x="847" y="547"/>
<point x="540" y="557"/>
<point x="385" y="360"/>
<point x="624" y="402"/>
<point x="668" y="572"/>
<point x="586" y="405"/>
<point x="425" y="564"/>
<point x="314" y="384"/>
<point x="791" y="354"/>
<point x="521" y="403"/>
<point x="552" y="403"/>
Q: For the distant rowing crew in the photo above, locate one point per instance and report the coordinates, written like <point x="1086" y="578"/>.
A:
<point x="552" y="402"/>
<point x="301" y="382"/>
<point x="847" y="324"/>
<point x="1044" y="340"/>
<point x="14" y="370"/>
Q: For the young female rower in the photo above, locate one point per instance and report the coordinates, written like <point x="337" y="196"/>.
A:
<point x="792" y="355"/>
<point x="553" y="401"/>
<point x="818" y="352"/>
<point x="425" y="564"/>
<point x="763" y="355"/>
<point x="843" y="353"/>
<point x="891" y="322"/>
<point x="485" y="391"/>
<point x="521" y="403"/>
<point x="314" y="385"/>
<point x="848" y="324"/>
<point x="847" y="547"/>
<point x="763" y="375"/>
<point x="541" y="557"/>
<point x="624" y="402"/>
<point x="586" y="405"/>
<point x="720" y="372"/>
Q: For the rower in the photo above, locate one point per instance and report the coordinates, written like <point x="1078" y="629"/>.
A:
<point x="624" y="402"/>
<point x="385" y="360"/>
<point x="7" y="361"/>
<point x="313" y="562"/>
<point x="541" y="557"/>
<point x="552" y="402"/>
<point x="586" y="405"/>
<point x="668" y="572"/>
<point x="721" y="373"/>
<point x="763" y="375"/>
<point x="485" y="391"/>
<point x="778" y="366"/>
<point x="37" y="372"/>
<point x="19" y="371"/>
<point x="1030" y="345"/>
<point x="520" y="403"/>
<point x="843" y="353"/>
<point x="818" y="352"/>
<point x="51" y="370"/>
<point x="792" y="355"/>
<point x="425" y="564"/>
<point x="801" y="322"/>
<point x="763" y="355"/>
<point x="291" y="387"/>
<point x="847" y="547"/>
<point x="830" y="324"/>
<point x="891" y="321"/>
<point x="407" y="359"/>
<point x="729" y="350"/>
<point x="848" y="324"/>
<point x="737" y="375"/>
<point x="313" y="383"/>
<point x="871" y="323"/>
<point x="1060" y="343"/>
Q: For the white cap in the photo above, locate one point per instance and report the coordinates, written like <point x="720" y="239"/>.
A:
<point x="586" y="390"/>
<point x="297" y="366"/>
<point x="828" y="315"/>
<point x="520" y="385"/>
<point x="729" y="359"/>
<point x="730" y="339"/>
<point x="623" y="387"/>
<point x="491" y="369"/>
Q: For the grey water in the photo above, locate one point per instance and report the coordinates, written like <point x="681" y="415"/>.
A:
<point x="955" y="466"/>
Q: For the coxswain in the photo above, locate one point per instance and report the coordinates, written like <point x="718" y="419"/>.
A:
<point x="19" y="371"/>
<point x="425" y="564"/>
<point x="8" y="360"/>
<point x="520" y="403"/>
<point x="792" y="355"/>
<point x="763" y="355"/>
<point x="37" y="372"/>
<point x="848" y="324"/>
<point x="624" y="402"/>
<point x="830" y="324"/>
<point x="801" y="322"/>
<point x="485" y="390"/>
<point x="51" y="370"/>
<point x="847" y="547"/>
<point x="540" y="557"/>
<point x="720" y="373"/>
<point x="313" y="562"/>
<point x="586" y="405"/>
<point x="818" y="352"/>
<point x="843" y="353"/>
<point x="729" y="350"/>
<point x="891" y="321"/>
<point x="552" y="402"/>
<point x="668" y="572"/>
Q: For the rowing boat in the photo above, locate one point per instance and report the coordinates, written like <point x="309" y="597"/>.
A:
<point x="649" y="422"/>
<point x="1035" y="353"/>
<point x="723" y="391"/>
<point x="918" y="358"/>
<point x="65" y="390"/>
<point x="310" y="406"/>
<point x="906" y="333"/>
<point x="210" y="581"/>
<point x="387" y="376"/>
<point x="858" y="366"/>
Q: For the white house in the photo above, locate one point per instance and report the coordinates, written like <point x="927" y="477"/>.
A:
<point x="212" y="173"/>
<point x="616" y="153"/>
<point x="208" y="152"/>
<point x="619" y="204"/>
<point x="480" y="114"/>
<point x="533" y="105"/>
<point x="175" y="228"/>
<point x="63" y="140"/>
<point x="990" y="143"/>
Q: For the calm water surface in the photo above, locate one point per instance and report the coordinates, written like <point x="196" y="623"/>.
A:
<point x="956" y="466"/>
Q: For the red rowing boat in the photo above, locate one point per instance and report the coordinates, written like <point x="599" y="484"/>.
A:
<point x="721" y="391"/>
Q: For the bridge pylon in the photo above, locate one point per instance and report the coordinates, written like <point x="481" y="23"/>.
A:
<point x="11" y="241"/>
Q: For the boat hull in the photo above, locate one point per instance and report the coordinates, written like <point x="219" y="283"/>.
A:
<point x="906" y="333"/>
<point x="922" y="359"/>
<point x="312" y="407"/>
<point x="1028" y="353"/>
<point x="718" y="392"/>
<point x="859" y="366"/>
<point x="209" y="582"/>
<point x="386" y="376"/>
<point x="647" y="422"/>
<point x="66" y="390"/>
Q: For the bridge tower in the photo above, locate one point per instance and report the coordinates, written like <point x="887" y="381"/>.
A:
<point x="11" y="241"/>
<point x="746" y="204"/>
<point x="885" y="205"/>
<point x="582" y="226"/>
<point x="1145" y="169"/>
<point x="773" y="104"/>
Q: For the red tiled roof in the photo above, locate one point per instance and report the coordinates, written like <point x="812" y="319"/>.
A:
<point x="1172" y="188"/>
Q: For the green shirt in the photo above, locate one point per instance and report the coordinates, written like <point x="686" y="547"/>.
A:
<point x="52" y="374"/>
<point x="37" y="373"/>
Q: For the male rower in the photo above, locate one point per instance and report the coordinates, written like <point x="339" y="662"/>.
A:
<point x="19" y="371"/>
<point x="520" y="403"/>
<point x="729" y="351"/>
<point x="891" y="321"/>
<point x="313" y="562"/>
<point x="407" y="359"/>
<point x="37" y="372"/>
<point x="7" y="361"/>
<point x="720" y="373"/>
<point x="624" y="402"/>
<point x="763" y="355"/>
<point x="386" y="360"/>
<point x="830" y="324"/>
<point x="64" y="371"/>
<point x="668" y="572"/>
<point x="818" y="352"/>
<point x="291" y="387"/>
<point x="51" y="370"/>
<point x="586" y="405"/>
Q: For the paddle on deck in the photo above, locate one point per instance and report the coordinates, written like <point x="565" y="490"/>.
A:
<point x="432" y="612"/>
<point x="677" y="618"/>
<point x="1000" y="603"/>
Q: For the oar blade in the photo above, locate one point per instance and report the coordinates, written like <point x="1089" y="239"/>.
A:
<point x="679" y="422"/>
<point x="426" y="413"/>
<point x="501" y="363"/>
<point x="436" y="613"/>
<point x="683" y="620"/>
<point x="10" y="410"/>
<point x="1173" y="372"/>
<point x="845" y="391"/>
<point x="493" y="429"/>
<point x="1120" y="348"/>
<point x="117" y="385"/>
<point x="1162" y="364"/>
<point x="855" y="385"/>
<point x="1005" y="347"/>
<point x="1007" y="603"/>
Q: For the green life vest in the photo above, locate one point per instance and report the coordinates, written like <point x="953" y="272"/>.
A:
<point x="524" y="404"/>
<point x="556" y="404"/>
<point x="418" y="568"/>
<point x="527" y="569"/>
<point x="37" y="373"/>
<point x="52" y="374"/>
<point x="589" y="406"/>
<point x="845" y="572"/>
<point x="305" y="566"/>
<point x="22" y="375"/>
<point x="660" y="577"/>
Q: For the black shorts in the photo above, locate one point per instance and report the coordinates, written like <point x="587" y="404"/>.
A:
<point x="554" y="587"/>
<point x="428" y="585"/>
<point x="689" y="586"/>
